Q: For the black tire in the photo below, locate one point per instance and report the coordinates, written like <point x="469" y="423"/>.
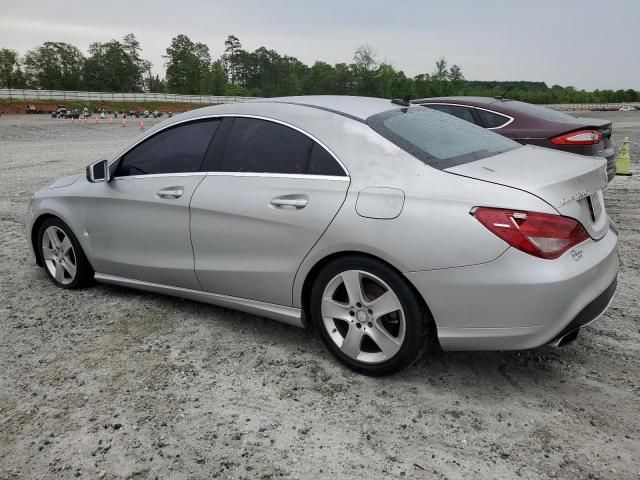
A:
<point x="83" y="274"/>
<point x="419" y="326"/>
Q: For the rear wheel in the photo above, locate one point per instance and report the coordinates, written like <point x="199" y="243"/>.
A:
<point x="63" y="258"/>
<point x="368" y="316"/>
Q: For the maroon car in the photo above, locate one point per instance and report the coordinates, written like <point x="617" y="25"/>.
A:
<point x="533" y="125"/>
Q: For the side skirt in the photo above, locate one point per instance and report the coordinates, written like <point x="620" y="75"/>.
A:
<point x="289" y="315"/>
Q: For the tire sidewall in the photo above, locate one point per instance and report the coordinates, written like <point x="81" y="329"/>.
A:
<point x="83" y="270"/>
<point x="416" y="320"/>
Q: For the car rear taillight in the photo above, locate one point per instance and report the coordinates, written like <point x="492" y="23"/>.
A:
<point x="581" y="137"/>
<point x="540" y="234"/>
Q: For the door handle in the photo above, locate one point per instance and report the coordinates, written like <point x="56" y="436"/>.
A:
<point x="172" y="192"/>
<point x="290" y="203"/>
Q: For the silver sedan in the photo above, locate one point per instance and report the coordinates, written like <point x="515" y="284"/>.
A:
<point x="387" y="228"/>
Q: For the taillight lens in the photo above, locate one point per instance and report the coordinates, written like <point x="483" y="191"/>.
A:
<point x="581" y="137"/>
<point x="539" y="234"/>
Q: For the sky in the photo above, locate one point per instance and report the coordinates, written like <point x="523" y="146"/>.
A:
<point x="588" y="44"/>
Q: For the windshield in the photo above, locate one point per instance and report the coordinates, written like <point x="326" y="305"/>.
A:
<point x="438" y="139"/>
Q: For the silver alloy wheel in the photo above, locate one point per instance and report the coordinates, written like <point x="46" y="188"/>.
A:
<point x="363" y="316"/>
<point x="58" y="255"/>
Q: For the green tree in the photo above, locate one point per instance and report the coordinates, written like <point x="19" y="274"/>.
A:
<point x="631" y="95"/>
<point x="320" y="79"/>
<point x="10" y="73"/>
<point x="154" y="84"/>
<point x="131" y="45"/>
<point x="364" y="72"/>
<point x="440" y="78"/>
<point x="114" y="67"/>
<point x="456" y="78"/>
<point x="232" y="50"/>
<point x="54" y="65"/>
<point x="188" y="66"/>
<point x="219" y="78"/>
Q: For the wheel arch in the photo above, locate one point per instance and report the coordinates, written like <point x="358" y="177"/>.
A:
<point x="305" y="295"/>
<point x="35" y="230"/>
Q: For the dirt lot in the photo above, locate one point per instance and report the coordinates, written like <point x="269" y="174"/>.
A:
<point x="114" y="383"/>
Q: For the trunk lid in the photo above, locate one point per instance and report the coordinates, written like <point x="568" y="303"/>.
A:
<point x="572" y="184"/>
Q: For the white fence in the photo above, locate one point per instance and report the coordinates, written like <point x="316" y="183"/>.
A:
<point x="61" y="95"/>
<point x="587" y="106"/>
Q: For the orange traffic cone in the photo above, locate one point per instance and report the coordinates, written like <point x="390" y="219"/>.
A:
<point x="110" y="121"/>
<point x="123" y="123"/>
<point x="97" y="120"/>
<point x="141" y="124"/>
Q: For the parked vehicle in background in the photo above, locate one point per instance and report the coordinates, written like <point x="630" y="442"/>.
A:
<point x="61" y="112"/>
<point x="533" y="125"/>
<point x="626" y="108"/>
<point x="33" y="109"/>
<point x="387" y="227"/>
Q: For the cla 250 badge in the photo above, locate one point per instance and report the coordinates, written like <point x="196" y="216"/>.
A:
<point x="576" y="196"/>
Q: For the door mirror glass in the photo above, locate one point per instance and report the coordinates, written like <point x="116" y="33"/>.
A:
<point x="98" y="172"/>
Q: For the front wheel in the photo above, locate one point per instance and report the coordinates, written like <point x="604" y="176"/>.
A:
<point x="368" y="316"/>
<point x="63" y="258"/>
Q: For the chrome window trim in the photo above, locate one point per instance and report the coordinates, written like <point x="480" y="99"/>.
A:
<point x="236" y="174"/>
<point x="162" y="175"/>
<point x="222" y="116"/>
<point x="279" y="175"/>
<point x="511" y="119"/>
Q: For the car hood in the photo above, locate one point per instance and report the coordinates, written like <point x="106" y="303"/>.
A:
<point x="563" y="180"/>
<point x="65" y="181"/>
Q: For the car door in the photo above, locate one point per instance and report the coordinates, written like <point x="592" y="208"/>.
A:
<point x="270" y="193"/>
<point x="138" y="223"/>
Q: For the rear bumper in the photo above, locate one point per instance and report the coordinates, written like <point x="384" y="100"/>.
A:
<point x="519" y="301"/>
<point x="610" y="155"/>
<point x="587" y="315"/>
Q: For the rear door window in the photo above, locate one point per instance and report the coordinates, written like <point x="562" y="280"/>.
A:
<point x="262" y="146"/>
<point x="439" y="140"/>
<point x="178" y="149"/>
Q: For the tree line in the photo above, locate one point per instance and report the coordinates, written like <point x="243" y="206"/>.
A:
<point x="118" y="66"/>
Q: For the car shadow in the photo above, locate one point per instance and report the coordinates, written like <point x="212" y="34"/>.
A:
<point x="469" y="373"/>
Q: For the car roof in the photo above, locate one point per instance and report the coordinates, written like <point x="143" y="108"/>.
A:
<point x="357" y="108"/>
<point x="463" y="99"/>
<point x="506" y="106"/>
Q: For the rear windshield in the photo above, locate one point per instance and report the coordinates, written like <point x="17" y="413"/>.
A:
<point x="438" y="139"/>
<point x="538" y="111"/>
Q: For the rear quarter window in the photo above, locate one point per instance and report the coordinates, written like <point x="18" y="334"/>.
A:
<point x="438" y="139"/>
<point x="492" y="120"/>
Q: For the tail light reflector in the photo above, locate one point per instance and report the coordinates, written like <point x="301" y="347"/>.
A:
<point x="539" y="234"/>
<point x="581" y="137"/>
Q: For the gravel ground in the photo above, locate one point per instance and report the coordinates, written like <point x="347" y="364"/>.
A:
<point x="114" y="383"/>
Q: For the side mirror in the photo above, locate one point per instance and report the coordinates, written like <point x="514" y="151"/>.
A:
<point x="98" y="172"/>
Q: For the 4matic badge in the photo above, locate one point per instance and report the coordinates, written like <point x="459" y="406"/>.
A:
<point x="576" y="254"/>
